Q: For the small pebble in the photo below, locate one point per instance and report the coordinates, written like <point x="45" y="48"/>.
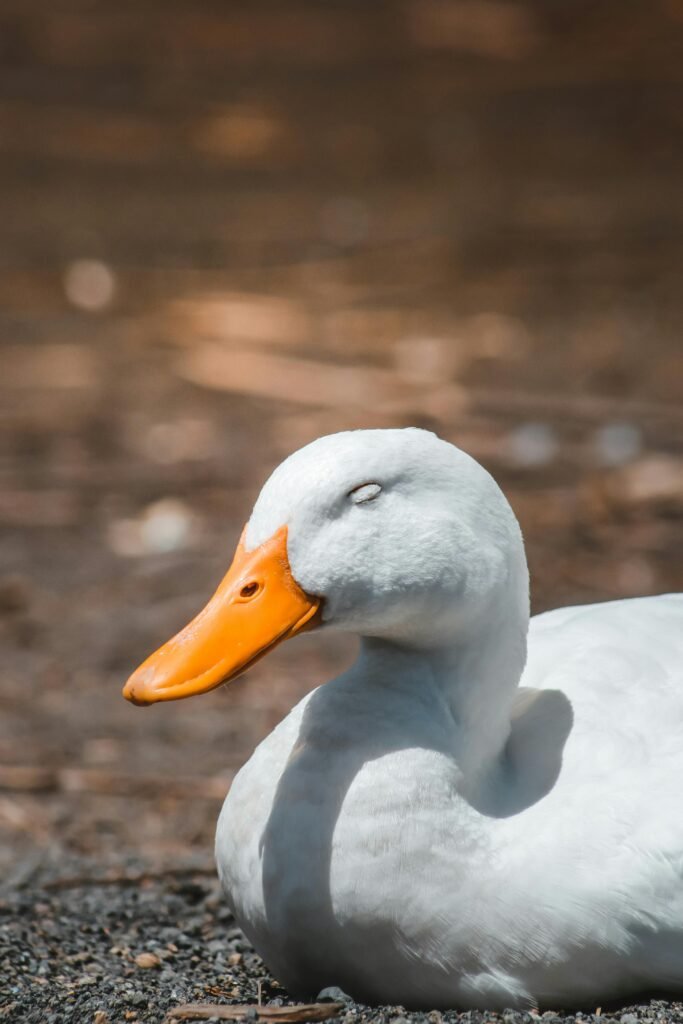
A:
<point x="89" y="285"/>
<point x="532" y="445"/>
<point x="333" y="994"/>
<point x="147" y="960"/>
<point x="617" y="443"/>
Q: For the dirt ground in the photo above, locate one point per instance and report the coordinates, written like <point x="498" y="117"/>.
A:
<point x="228" y="229"/>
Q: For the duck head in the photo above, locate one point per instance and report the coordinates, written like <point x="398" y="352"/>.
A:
<point x="392" y="534"/>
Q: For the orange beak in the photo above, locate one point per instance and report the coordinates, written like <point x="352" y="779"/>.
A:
<point x="257" y="605"/>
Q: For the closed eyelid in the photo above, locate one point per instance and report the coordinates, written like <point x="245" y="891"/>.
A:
<point x="364" y="492"/>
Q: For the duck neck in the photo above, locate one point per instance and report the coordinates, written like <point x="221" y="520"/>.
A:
<point x="474" y="678"/>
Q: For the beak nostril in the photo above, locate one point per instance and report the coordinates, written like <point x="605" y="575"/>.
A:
<point x="249" y="590"/>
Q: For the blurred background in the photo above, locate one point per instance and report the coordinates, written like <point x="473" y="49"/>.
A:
<point x="229" y="228"/>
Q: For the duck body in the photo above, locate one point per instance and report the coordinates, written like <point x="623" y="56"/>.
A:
<point x="484" y="810"/>
<point x="351" y="856"/>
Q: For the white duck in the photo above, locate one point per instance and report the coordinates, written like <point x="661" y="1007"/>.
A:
<point x="422" y="830"/>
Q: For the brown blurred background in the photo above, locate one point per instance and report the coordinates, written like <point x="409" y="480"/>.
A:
<point x="230" y="227"/>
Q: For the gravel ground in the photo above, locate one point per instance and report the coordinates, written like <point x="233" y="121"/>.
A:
<point x="110" y="953"/>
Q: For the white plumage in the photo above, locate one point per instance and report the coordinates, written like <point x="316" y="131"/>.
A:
<point x="453" y="823"/>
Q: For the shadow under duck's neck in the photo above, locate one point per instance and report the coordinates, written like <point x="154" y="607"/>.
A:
<point x="474" y="678"/>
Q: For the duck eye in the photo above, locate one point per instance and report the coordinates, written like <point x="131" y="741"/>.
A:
<point x="364" y="492"/>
